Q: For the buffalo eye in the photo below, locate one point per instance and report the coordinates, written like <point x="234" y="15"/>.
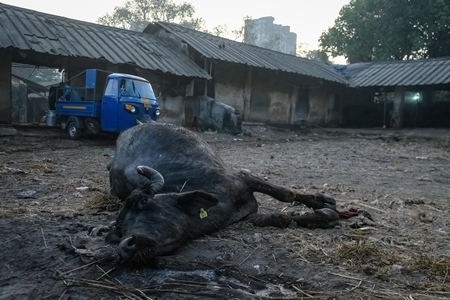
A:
<point x="142" y="203"/>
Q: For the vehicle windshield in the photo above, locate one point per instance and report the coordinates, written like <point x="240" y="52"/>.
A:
<point x="136" y="88"/>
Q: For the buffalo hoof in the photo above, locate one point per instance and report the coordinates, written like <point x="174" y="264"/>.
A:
<point x="320" y="218"/>
<point x="326" y="201"/>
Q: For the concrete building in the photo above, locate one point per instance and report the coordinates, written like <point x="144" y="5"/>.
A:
<point x="264" y="33"/>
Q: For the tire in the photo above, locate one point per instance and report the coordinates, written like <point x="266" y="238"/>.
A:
<point x="92" y="125"/>
<point x="73" y="131"/>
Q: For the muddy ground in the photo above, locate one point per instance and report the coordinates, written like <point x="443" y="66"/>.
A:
<point x="49" y="185"/>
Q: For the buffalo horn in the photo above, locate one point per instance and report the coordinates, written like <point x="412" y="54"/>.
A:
<point x="155" y="178"/>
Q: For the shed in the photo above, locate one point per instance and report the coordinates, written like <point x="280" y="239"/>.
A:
<point x="37" y="38"/>
<point x="412" y="93"/>
<point x="263" y="85"/>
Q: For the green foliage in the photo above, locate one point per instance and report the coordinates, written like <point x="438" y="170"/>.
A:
<point x="318" y="55"/>
<point x="136" y="14"/>
<point x="379" y="30"/>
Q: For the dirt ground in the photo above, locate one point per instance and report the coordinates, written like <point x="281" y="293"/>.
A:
<point x="49" y="184"/>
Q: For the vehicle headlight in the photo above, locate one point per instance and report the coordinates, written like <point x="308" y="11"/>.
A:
<point x="157" y="112"/>
<point x="131" y="108"/>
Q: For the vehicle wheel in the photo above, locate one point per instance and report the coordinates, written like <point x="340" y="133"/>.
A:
<point x="92" y="125"/>
<point x="74" y="132"/>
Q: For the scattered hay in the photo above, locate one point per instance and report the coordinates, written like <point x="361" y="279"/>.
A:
<point x="437" y="265"/>
<point x="103" y="201"/>
<point x="307" y="247"/>
<point x="361" y="252"/>
<point x="370" y="258"/>
<point x="44" y="167"/>
<point x="6" y="212"/>
<point x="383" y="262"/>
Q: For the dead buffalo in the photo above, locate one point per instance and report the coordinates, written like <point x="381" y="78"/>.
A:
<point x="176" y="189"/>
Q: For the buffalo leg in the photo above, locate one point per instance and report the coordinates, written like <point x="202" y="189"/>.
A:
<point x="286" y="195"/>
<point x="319" y="218"/>
<point x="276" y="220"/>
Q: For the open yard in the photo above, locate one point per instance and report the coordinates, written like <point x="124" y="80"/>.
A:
<point x="51" y="189"/>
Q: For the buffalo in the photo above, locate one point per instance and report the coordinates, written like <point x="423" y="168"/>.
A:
<point x="175" y="189"/>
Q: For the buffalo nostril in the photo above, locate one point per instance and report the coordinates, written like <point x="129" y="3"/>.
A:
<point x="127" y="248"/>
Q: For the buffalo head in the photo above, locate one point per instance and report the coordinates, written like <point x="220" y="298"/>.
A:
<point x="152" y="224"/>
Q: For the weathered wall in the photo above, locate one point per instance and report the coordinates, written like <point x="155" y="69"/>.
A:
<point x="280" y="109"/>
<point x="172" y="110"/>
<point x="230" y="81"/>
<point x="5" y="87"/>
<point x="300" y="106"/>
<point x="265" y="96"/>
<point x="271" y="98"/>
<point x="323" y="108"/>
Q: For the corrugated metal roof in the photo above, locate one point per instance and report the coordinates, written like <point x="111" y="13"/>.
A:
<point x="402" y="73"/>
<point x="241" y="53"/>
<point x="31" y="30"/>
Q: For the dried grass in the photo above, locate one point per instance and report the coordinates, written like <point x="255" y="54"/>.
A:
<point x="368" y="256"/>
<point x="6" y="212"/>
<point x="45" y="166"/>
<point x="436" y="265"/>
<point x="103" y="201"/>
<point x="362" y="252"/>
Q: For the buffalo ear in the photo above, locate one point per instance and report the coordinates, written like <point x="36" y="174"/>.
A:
<point x="195" y="203"/>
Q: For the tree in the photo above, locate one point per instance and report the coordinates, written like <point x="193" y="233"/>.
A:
<point x="301" y="50"/>
<point x="318" y="55"/>
<point x="136" y="14"/>
<point x="219" y="30"/>
<point x="434" y="28"/>
<point x="240" y="34"/>
<point x="377" y="30"/>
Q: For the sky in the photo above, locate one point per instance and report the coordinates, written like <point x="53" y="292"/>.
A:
<point x="307" y="18"/>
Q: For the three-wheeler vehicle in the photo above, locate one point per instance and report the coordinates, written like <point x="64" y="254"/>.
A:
<point x="96" y="101"/>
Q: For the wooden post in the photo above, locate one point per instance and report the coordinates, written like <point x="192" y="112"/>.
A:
<point x="397" y="113"/>
<point x="247" y="94"/>
<point x="384" y="109"/>
<point x="293" y="100"/>
<point x="205" y="67"/>
<point x="5" y="88"/>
